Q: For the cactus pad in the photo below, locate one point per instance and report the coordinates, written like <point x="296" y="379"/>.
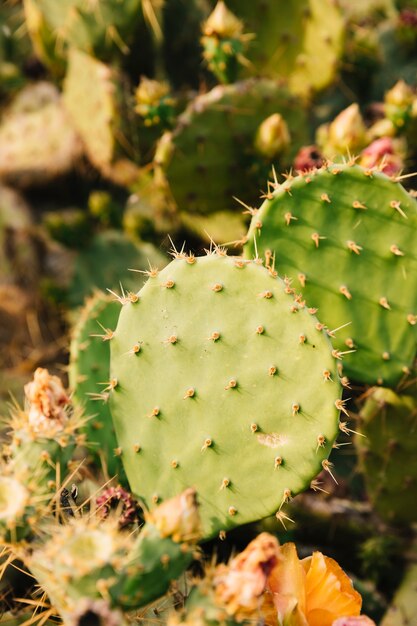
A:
<point x="92" y="96"/>
<point x="37" y="141"/>
<point x="221" y="381"/>
<point x="346" y="236"/>
<point x="101" y="28"/>
<point x="388" y="453"/>
<point x="210" y="155"/>
<point x="303" y="42"/>
<point x="104" y="263"/>
<point x="89" y="366"/>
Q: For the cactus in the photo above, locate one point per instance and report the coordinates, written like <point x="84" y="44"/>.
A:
<point x="95" y="558"/>
<point x="23" y="499"/>
<point x="302" y="43"/>
<point x="214" y="399"/>
<point x="224" y="43"/>
<point x="93" y="98"/>
<point x="103" y="30"/>
<point x="103" y="265"/>
<point x="38" y="142"/>
<point x="210" y="156"/>
<point x="43" y="435"/>
<point x="318" y="226"/>
<point x="89" y="368"/>
<point x="388" y="452"/>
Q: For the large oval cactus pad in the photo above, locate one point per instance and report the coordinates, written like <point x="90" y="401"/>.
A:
<point x="347" y="236"/>
<point x="222" y="381"/>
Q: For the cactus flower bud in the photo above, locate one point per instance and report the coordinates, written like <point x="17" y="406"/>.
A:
<point x="401" y="95"/>
<point x="383" y="153"/>
<point x="153" y="102"/>
<point x="272" y="136"/>
<point x="178" y="517"/>
<point x="347" y="131"/>
<point x="222" y="23"/>
<point x="47" y="401"/>
<point x="149" y="92"/>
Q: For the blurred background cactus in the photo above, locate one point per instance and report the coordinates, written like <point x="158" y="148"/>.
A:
<point x="132" y="131"/>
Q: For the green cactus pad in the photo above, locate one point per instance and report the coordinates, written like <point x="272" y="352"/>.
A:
<point x="302" y="43"/>
<point x="221" y="381"/>
<point x="210" y="155"/>
<point x="89" y="367"/>
<point x="101" y="28"/>
<point x="388" y="453"/>
<point x="37" y="140"/>
<point x="104" y="264"/>
<point x="92" y="96"/>
<point x="346" y="236"/>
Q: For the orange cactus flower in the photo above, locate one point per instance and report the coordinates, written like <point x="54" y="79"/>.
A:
<point x="312" y="592"/>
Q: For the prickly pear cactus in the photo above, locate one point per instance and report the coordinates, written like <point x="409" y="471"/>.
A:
<point x="302" y="43"/>
<point x="221" y="380"/>
<point x="346" y="237"/>
<point x="210" y="155"/>
<point x="100" y="28"/>
<point x="388" y="452"/>
<point x="92" y="97"/>
<point x="37" y="139"/>
<point x="104" y="264"/>
<point x="88" y="371"/>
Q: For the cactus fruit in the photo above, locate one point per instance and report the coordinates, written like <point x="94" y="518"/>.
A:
<point x="388" y="453"/>
<point x="318" y="226"/>
<point x="103" y="265"/>
<point x="89" y="369"/>
<point x="209" y="157"/>
<point x="225" y="399"/>
<point x="302" y="43"/>
<point x="37" y="141"/>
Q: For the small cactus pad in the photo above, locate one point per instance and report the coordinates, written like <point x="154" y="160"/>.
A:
<point x="210" y="155"/>
<point x="222" y="381"/>
<point x="303" y="42"/>
<point x="92" y="98"/>
<point x="104" y="264"/>
<point x="388" y="453"/>
<point x="346" y="237"/>
<point x="89" y="370"/>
